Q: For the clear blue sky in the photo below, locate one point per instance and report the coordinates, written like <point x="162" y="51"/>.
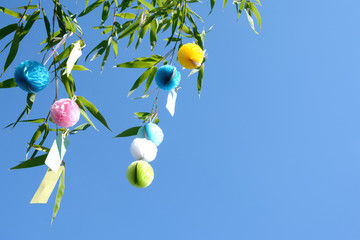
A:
<point x="271" y="151"/>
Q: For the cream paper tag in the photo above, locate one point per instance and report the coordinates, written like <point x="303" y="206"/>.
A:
<point x="57" y="152"/>
<point x="47" y="186"/>
<point x="171" y="100"/>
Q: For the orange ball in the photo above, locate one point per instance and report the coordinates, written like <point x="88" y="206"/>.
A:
<point x="190" y="56"/>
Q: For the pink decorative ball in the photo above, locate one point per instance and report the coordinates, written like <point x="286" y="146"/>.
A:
<point x="65" y="112"/>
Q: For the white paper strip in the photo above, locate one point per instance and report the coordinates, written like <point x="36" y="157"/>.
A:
<point x="74" y="56"/>
<point x="57" y="152"/>
<point x="171" y="100"/>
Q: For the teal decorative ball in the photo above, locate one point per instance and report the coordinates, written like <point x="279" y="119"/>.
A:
<point x="167" y="77"/>
<point x="140" y="174"/>
<point x="152" y="132"/>
<point x="31" y="76"/>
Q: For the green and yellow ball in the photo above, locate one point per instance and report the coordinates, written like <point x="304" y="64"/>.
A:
<point x="140" y="174"/>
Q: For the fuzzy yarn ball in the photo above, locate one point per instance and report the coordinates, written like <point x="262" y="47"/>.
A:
<point x="140" y="174"/>
<point x="65" y="112"/>
<point x="167" y="77"/>
<point x="152" y="132"/>
<point x="190" y="55"/>
<point x="31" y="76"/>
<point x="143" y="149"/>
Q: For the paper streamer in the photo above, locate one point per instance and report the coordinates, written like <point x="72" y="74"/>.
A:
<point x="171" y="100"/>
<point x="47" y="186"/>
<point x="74" y="56"/>
<point x="57" y="152"/>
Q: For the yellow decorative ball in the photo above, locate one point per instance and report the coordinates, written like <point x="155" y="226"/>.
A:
<point x="190" y="56"/>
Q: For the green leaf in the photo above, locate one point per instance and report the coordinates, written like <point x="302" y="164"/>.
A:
<point x="115" y="47"/>
<point x="91" y="8"/>
<point x="146" y="116"/>
<point x="59" y="195"/>
<point x="135" y="64"/>
<point x="82" y="127"/>
<point x="39" y="148"/>
<point x="153" y="32"/>
<point x="150" y="78"/>
<point x="256" y="13"/>
<point x="84" y="114"/>
<point x="38" y="120"/>
<point x="32" y="162"/>
<point x="29" y="24"/>
<point x="128" y="132"/>
<point x="80" y="68"/>
<point x="46" y="132"/>
<point x="224" y="4"/>
<point x="93" y="110"/>
<point x="106" y="55"/>
<point x="7" y="30"/>
<point x="100" y="46"/>
<point x="126" y="15"/>
<point x="140" y="80"/>
<point x="146" y="4"/>
<point x="35" y="137"/>
<point x="142" y="33"/>
<point x="13" y="50"/>
<point x="68" y="83"/>
<point x="10" y="12"/>
<point x="9" y="83"/>
<point x="212" y="3"/>
<point x="130" y="29"/>
<point x="250" y="19"/>
<point x="47" y="26"/>
<point x="200" y="78"/>
<point x="105" y="12"/>
<point x="30" y="99"/>
<point x="28" y="7"/>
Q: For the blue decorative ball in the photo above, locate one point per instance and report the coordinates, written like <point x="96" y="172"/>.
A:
<point x="167" y="77"/>
<point x="152" y="132"/>
<point x="31" y="76"/>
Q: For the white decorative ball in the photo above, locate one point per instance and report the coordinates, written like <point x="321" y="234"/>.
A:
<point x="143" y="149"/>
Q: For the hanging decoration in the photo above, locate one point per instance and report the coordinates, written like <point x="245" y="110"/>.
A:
<point x="31" y="76"/>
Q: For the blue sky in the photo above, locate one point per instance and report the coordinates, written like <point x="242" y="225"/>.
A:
<point x="270" y="151"/>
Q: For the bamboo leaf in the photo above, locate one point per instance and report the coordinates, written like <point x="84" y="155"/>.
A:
<point x="29" y="24"/>
<point x="130" y="29"/>
<point x="59" y="195"/>
<point x="39" y="148"/>
<point x="35" y="136"/>
<point x="10" y="12"/>
<point x="84" y="114"/>
<point x="9" y="83"/>
<point x="7" y="30"/>
<point x="93" y="110"/>
<point x="150" y="78"/>
<point x="115" y="47"/>
<point x="224" y="4"/>
<point x="135" y="64"/>
<point x="32" y="162"/>
<point x="91" y="7"/>
<point x="256" y="13"/>
<point x="250" y="19"/>
<point x="128" y="132"/>
<point x="82" y="127"/>
<point x="212" y="3"/>
<point x="126" y="15"/>
<point x="146" y="4"/>
<point x="200" y="78"/>
<point x="13" y="50"/>
<point x="153" y="32"/>
<point x="140" y="80"/>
